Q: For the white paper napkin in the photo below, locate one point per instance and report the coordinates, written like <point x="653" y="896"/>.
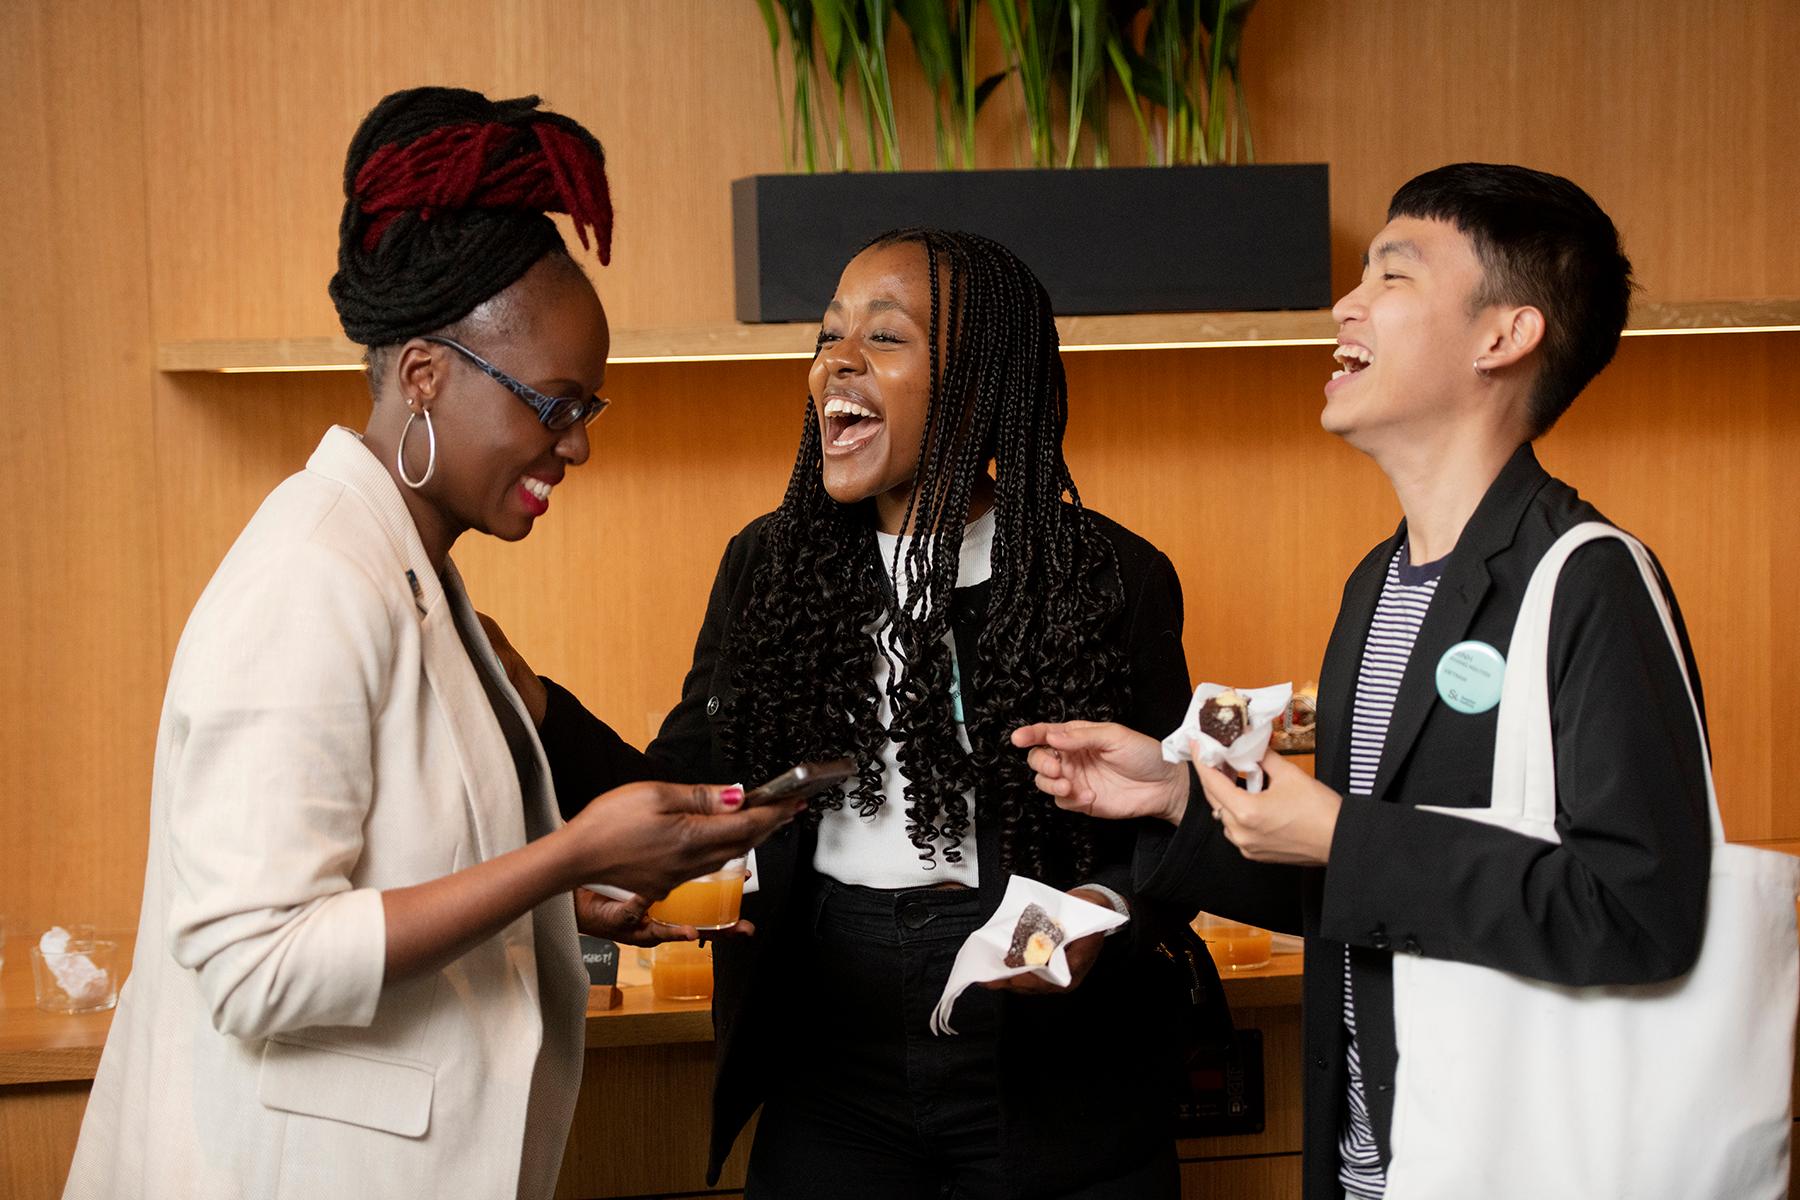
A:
<point x="78" y="977"/>
<point x="983" y="955"/>
<point x="1244" y="755"/>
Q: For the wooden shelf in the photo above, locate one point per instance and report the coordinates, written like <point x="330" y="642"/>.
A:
<point x="731" y="342"/>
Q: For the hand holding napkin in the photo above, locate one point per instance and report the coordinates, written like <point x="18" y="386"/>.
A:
<point x="983" y="955"/>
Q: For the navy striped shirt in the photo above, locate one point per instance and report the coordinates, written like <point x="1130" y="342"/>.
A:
<point x="1405" y="597"/>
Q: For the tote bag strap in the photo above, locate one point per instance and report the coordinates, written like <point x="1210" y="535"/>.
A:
<point x="1524" y="789"/>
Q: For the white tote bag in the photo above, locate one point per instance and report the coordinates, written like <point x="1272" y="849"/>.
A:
<point x="1515" y="1089"/>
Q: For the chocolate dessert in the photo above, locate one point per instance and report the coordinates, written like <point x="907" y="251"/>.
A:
<point x="1225" y="717"/>
<point x="1034" y="939"/>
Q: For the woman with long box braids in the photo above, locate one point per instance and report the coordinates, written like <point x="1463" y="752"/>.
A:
<point x="356" y="971"/>
<point x="930" y="580"/>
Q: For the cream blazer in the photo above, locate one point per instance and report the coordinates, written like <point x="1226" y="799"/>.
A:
<point x="325" y="736"/>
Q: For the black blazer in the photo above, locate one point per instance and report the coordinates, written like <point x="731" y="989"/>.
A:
<point x="1087" y="1078"/>
<point x="1620" y="900"/>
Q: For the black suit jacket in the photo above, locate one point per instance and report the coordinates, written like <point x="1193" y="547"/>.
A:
<point x="1087" y="1079"/>
<point x="1620" y="900"/>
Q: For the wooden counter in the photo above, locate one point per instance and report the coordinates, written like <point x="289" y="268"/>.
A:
<point x="41" y="1047"/>
<point x="640" y="1123"/>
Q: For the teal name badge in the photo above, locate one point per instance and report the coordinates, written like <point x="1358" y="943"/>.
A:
<point x="1469" y="675"/>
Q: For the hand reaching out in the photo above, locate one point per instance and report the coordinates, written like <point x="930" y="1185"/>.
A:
<point x="1104" y="770"/>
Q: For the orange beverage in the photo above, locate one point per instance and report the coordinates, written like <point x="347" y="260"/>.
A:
<point x="709" y="902"/>
<point x="1233" y="945"/>
<point x="681" y="971"/>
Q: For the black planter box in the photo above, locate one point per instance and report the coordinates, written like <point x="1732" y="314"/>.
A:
<point x="1112" y="240"/>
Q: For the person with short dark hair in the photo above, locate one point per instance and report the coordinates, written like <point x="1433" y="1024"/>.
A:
<point x="1488" y="302"/>
<point x="356" y="971"/>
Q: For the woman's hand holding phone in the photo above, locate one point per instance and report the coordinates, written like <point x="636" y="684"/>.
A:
<point x="645" y="839"/>
<point x="803" y="782"/>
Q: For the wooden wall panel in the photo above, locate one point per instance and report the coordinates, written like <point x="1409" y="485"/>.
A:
<point x="1671" y="115"/>
<point x="679" y="92"/>
<point x="270" y="423"/>
<point x="1689" y="443"/>
<point x="1668" y="112"/>
<point x="608" y="593"/>
<point x="641" y="1126"/>
<point x="81" y="658"/>
<point x="39" y="1125"/>
<point x="1274" y="1177"/>
<point x="1217" y="457"/>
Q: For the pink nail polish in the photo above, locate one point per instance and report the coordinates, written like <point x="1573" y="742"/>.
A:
<point x="732" y="796"/>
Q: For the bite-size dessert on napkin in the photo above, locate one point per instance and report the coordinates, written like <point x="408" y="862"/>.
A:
<point x="1035" y="938"/>
<point x="1231" y="727"/>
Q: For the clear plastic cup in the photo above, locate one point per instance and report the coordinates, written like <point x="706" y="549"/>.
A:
<point x="1233" y="945"/>
<point x="681" y="971"/>
<point x="83" y="977"/>
<point x="709" y="902"/>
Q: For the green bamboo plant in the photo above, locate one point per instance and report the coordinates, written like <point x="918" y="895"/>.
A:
<point x="943" y="37"/>
<point x="1029" y="31"/>
<point x="854" y="34"/>
<point x="800" y="142"/>
<point x="1187" y="64"/>
<point x="852" y="39"/>
<point x="829" y="17"/>
<point x="1177" y="56"/>
<point x="1228" y="41"/>
<point x="1085" y="80"/>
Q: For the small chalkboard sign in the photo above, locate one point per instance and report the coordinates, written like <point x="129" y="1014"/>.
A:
<point x="602" y="959"/>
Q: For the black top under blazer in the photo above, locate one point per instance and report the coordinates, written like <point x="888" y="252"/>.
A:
<point x="1086" y="1079"/>
<point x="1620" y="901"/>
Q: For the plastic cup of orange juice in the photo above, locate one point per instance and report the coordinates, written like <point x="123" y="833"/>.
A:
<point x="1233" y="945"/>
<point x="681" y="971"/>
<point x="709" y="902"/>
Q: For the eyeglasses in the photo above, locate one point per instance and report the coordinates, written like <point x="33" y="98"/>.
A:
<point x="556" y="412"/>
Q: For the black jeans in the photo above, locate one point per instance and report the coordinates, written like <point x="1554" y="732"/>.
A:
<point x="876" y="1106"/>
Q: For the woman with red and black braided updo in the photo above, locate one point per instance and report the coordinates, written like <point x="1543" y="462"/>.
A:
<point x="356" y="970"/>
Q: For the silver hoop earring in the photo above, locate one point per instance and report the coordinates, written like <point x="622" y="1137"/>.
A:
<point x="1480" y="370"/>
<point x="430" y="453"/>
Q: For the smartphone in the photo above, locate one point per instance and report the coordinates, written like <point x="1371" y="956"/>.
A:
<point x="802" y="782"/>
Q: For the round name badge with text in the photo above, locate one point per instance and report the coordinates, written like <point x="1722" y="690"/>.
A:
<point x="1469" y="676"/>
